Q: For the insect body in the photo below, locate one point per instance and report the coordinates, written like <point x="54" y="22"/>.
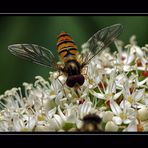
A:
<point x="67" y="50"/>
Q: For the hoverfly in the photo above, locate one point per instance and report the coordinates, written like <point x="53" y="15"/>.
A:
<point x="91" y="123"/>
<point x="67" y="50"/>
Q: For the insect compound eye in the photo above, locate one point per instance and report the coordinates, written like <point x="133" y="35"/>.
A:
<point x="80" y="80"/>
<point x="75" y="79"/>
<point x="70" y="81"/>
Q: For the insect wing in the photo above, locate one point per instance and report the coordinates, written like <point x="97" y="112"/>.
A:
<point x="34" y="53"/>
<point x="102" y="39"/>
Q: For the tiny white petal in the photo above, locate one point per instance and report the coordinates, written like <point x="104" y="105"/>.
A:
<point x="61" y="114"/>
<point x="120" y="77"/>
<point x="146" y="45"/>
<point x="40" y="128"/>
<point x="130" y="59"/>
<point x="72" y="118"/>
<point x="17" y="125"/>
<point x="97" y="95"/>
<point x="138" y="94"/>
<point x="58" y="121"/>
<point x="126" y="68"/>
<point x="51" y="112"/>
<point x="117" y="120"/>
<point x="127" y="121"/>
<point x="108" y="70"/>
<point x="117" y="95"/>
<point x="87" y="107"/>
<point x="132" y="40"/>
<point x="125" y="104"/>
<point x="103" y="108"/>
<point x="142" y="82"/>
<point x="84" y="109"/>
<point x="127" y="46"/>
<point x="140" y="68"/>
<point x="38" y="93"/>
<point x="32" y="122"/>
<point x="52" y="96"/>
<point x="132" y="127"/>
<point x="115" y="107"/>
<point x="79" y="123"/>
<point x="139" y="51"/>
<point x="131" y="113"/>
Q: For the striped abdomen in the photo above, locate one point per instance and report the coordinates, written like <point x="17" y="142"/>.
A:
<point x="66" y="47"/>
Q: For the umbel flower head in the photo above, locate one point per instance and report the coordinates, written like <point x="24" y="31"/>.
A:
<point x="114" y="97"/>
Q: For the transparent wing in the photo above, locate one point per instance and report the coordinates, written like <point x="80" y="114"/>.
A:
<point x="35" y="54"/>
<point x="102" y="39"/>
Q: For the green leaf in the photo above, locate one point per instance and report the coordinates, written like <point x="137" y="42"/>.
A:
<point x="67" y="126"/>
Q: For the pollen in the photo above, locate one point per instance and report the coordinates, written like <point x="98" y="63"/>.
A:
<point x="123" y="116"/>
<point x="130" y="99"/>
<point x="41" y="117"/>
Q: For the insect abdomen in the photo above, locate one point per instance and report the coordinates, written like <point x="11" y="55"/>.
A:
<point x="66" y="47"/>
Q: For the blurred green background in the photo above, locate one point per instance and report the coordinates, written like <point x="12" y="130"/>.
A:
<point x="43" y="30"/>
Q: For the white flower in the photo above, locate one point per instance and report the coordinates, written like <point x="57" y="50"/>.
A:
<point x="115" y="89"/>
<point x="132" y="127"/>
<point x="132" y="96"/>
<point x="110" y="90"/>
<point x="123" y="114"/>
<point x="26" y="123"/>
<point x="85" y="109"/>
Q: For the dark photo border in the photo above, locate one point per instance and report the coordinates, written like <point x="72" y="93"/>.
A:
<point x="72" y="139"/>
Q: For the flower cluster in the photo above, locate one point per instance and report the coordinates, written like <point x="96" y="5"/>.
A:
<point x="115" y="91"/>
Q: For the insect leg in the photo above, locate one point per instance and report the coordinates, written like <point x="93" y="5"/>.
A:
<point x="76" y="91"/>
<point x="85" y="74"/>
<point x="86" y="67"/>
<point x="62" y="84"/>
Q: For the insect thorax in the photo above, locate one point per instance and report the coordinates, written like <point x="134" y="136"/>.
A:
<point x="72" y="67"/>
<point x="74" y="76"/>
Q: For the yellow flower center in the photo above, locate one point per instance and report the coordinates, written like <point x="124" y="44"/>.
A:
<point x="41" y="117"/>
<point x="24" y="130"/>
<point x="90" y="81"/>
<point x="122" y="115"/>
<point x="1" y="117"/>
<point x="109" y="96"/>
<point x="130" y="99"/>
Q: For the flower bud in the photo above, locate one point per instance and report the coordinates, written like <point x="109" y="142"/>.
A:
<point x="111" y="126"/>
<point x="143" y="113"/>
<point x="108" y="115"/>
